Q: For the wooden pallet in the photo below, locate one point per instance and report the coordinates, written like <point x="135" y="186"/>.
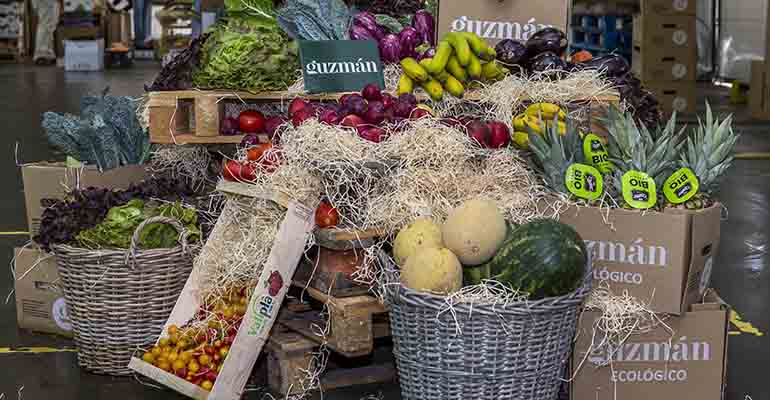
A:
<point x="290" y="354"/>
<point x="355" y="322"/>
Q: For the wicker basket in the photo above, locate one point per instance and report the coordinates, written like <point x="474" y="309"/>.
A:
<point x="119" y="300"/>
<point x="518" y="351"/>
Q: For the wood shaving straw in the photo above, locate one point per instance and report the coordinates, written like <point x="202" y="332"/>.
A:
<point x="489" y="293"/>
<point x="189" y="162"/>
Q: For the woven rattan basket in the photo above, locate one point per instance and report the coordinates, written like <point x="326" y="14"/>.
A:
<point x="518" y="351"/>
<point x="119" y="300"/>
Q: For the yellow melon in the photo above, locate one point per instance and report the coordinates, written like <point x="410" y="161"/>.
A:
<point x="474" y="231"/>
<point x="422" y="233"/>
<point x="433" y="270"/>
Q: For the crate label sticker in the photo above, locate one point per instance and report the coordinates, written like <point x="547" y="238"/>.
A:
<point x="679" y="37"/>
<point x="596" y="153"/>
<point x="679" y="104"/>
<point x="681" y="186"/>
<point x="584" y="181"/>
<point x="680" y="5"/>
<point x="60" y="314"/>
<point x="679" y="71"/>
<point x="639" y="190"/>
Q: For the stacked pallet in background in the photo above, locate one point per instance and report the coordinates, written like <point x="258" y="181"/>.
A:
<point x="665" y="54"/>
<point x="11" y="17"/>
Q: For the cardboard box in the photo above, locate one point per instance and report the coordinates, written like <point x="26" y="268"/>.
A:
<point x="651" y="64"/>
<point x="674" y="96"/>
<point x="40" y="304"/>
<point x="54" y="180"/>
<point x="688" y="363"/>
<point x="667" y="34"/>
<point x="664" y="259"/>
<point x="496" y="20"/>
<point x="262" y="309"/>
<point x="668" y="7"/>
<point x="119" y="28"/>
<point x="84" y="55"/>
<point x="759" y="91"/>
<point x="212" y="5"/>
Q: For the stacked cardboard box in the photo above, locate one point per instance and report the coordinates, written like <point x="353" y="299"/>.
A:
<point x="684" y="353"/>
<point x="759" y="94"/>
<point x="665" y="55"/>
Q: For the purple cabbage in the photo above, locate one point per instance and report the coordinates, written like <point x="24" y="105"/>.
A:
<point x="368" y="21"/>
<point x="358" y="32"/>
<point x="390" y="49"/>
<point x="424" y="23"/>
<point x="410" y="39"/>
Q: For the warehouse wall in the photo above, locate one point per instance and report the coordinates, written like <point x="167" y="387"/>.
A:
<point x="742" y="37"/>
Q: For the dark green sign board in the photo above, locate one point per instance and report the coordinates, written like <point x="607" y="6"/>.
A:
<point x="331" y="66"/>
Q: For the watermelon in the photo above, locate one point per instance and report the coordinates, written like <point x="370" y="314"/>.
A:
<point x="544" y="258"/>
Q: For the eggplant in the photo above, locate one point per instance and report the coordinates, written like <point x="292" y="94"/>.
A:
<point x="611" y="65"/>
<point x="424" y="23"/>
<point x="548" y="63"/>
<point x="390" y="49"/>
<point x="358" y="32"/>
<point x="410" y="39"/>
<point x="511" y="52"/>
<point x="547" y="40"/>
<point x="368" y="21"/>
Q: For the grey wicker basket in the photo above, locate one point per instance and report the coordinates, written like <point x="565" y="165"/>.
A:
<point x="518" y="351"/>
<point x="119" y="300"/>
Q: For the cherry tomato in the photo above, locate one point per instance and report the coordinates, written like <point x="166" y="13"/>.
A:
<point x="257" y="152"/>
<point x="235" y="171"/>
<point x="326" y="216"/>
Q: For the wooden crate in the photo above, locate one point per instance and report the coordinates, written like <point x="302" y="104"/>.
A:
<point x="289" y="354"/>
<point x="261" y="313"/>
<point x="355" y="322"/>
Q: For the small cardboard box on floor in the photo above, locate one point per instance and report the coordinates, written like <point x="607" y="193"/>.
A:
<point x="674" y="96"/>
<point x="662" y="258"/>
<point x="54" y="180"/>
<point x="495" y="20"/>
<point x="40" y="304"/>
<point x="687" y="362"/>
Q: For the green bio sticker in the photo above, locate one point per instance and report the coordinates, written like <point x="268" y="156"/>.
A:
<point x="639" y="189"/>
<point x="681" y="186"/>
<point x="584" y="181"/>
<point x="596" y="154"/>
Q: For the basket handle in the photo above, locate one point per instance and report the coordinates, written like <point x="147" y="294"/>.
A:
<point x="183" y="233"/>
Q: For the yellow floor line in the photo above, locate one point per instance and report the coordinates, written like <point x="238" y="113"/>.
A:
<point x="743" y="326"/>
<point x="35" y="350"/>
<point x="752" y="156"/>
<point x="14" y="233"/>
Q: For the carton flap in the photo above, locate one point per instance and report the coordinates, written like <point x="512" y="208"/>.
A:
<point x="705" y="228"/>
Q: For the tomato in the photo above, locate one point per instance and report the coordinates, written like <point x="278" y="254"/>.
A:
<point x="251" y="121"/>
<point x="235" y="171"/>
<point x="326" y="216"/>
<point x="257" y="152"/>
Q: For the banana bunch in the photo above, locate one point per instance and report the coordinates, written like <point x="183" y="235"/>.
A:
<point x="461" y="58"/>
<point x="530" y="119"/>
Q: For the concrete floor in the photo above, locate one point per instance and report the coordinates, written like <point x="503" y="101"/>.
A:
<point x="742" y="276"/>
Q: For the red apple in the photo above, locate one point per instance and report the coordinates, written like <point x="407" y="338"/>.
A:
<point x="235" y="171"/>
<point x="251" y="121"/>
<point x="500" y="135"/>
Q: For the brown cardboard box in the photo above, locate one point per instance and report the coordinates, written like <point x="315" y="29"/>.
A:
<point x="40" y="302"/>
<point x="674" y="96"/>
<point x="118" y="28"/>
<point x="53" y="181"/>
<point x="496" y="20"/>
<point x="668" y="7"/>
<point x="759" y="91"/>
<point x="659" y="64"/>
<point x="664" y="259"/>
<point x="688" y="363"/>
<point x="665" y="33"/>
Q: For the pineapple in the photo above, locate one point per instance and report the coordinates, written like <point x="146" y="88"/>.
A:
<point x="555" y="152"/>
<point x="708" y="152"/>
<point x="633" y="147"/>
